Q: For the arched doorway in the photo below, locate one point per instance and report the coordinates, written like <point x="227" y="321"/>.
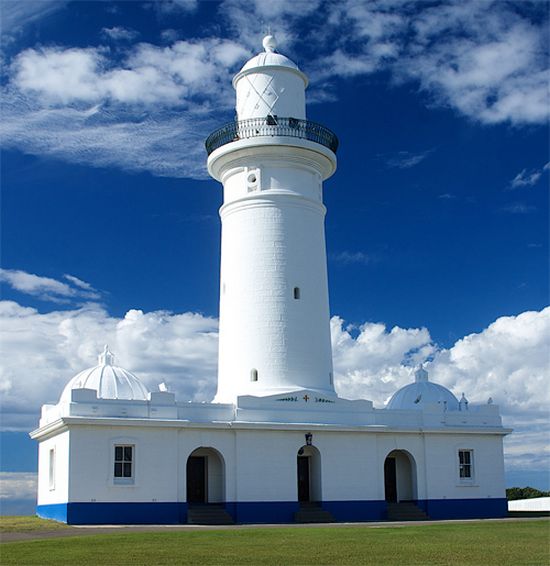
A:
<point x="399" y="477"/>
<point x="205" y="477"/>
<point x="309" y="474"/>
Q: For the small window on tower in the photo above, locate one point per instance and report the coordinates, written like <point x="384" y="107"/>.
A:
<point x="296" y="292"/>
<point x="253" y="375"/>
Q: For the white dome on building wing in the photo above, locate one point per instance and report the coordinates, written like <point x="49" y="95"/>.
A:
<point x="109" y="381"/>
<point x="421" y="393"/>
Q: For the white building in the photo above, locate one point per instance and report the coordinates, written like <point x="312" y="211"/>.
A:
<point x="277" y="444"/>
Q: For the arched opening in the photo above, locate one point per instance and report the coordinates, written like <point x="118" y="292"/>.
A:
<point x="253" y="374"/>
<point x="296" y="293"/>
<point x="309" y="475"/>
<point x="205" y="477"/>
<point x="399" y="477"/>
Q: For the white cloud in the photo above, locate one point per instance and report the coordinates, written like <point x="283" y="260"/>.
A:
<point x="406" y="159"/>
<point x="518" y="208"/>
<point x="371" y="362"/>
<point x="169" y="7"/>
<point x="347" y="257"/>
<point x="18" y="485"/>
<point x="481" y="58"/>
<point x="42" y="351"/>
<point x="141" y="115"/>
<point x="16" y="15"/>
<point x="118" y="33"/>
<point x="86" y="105"/>
<point x="47" y="288"/>
<point x="529" y="178"/>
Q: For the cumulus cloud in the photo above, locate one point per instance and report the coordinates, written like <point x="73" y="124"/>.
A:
<point x="47" y="288"/>
<point x="180" y="349"/>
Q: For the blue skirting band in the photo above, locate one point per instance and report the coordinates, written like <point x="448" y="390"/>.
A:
<point x="151" y="513"/>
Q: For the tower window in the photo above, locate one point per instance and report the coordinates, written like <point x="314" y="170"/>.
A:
<point x="296" y="292"/>
<point x="253" y="375"/>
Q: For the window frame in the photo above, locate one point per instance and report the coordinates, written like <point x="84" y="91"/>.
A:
<point x="466" y="479"/>
<point x="51" y="469"/>
<point x="121" y="481"/>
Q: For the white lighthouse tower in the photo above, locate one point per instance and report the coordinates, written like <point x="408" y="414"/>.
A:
<point x="274" y="309"/>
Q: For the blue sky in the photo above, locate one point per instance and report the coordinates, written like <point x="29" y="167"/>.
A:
<point x="437" y="225"/>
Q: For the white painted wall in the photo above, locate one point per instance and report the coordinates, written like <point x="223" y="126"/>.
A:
<point x="443" y="481"/>
<point x="261" y="465"/>
<point x="92" y="462"/>
<point x="59" y="493"/>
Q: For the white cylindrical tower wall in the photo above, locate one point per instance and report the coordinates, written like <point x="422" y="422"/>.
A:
<point x="274" y="307"/>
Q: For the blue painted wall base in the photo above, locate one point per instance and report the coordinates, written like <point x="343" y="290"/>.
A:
<point x="464" y="508"/>
<point x="258" y="512"/>
<point x="91" y="513"/>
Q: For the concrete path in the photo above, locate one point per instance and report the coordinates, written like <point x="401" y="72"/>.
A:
<point x="88" y="530"/>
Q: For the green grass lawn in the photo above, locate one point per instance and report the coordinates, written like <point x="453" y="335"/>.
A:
<point x="25" y="524"/>
<point x="479" y="543"/>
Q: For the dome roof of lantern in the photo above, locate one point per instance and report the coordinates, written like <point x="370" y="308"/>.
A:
<point x="421" y="393"/>
<point x="270" y="58"/>
<point x="108" y="380"/>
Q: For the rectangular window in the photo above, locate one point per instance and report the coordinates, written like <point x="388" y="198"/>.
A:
<point x="465" y="464"/>
<point x="124" y="460"/>
<point x="51" y="467"/>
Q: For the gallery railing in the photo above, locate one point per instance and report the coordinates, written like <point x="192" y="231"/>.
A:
<point x="271" y="126"/>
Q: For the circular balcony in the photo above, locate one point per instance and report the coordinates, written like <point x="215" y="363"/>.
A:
<point x="271" y="126"/>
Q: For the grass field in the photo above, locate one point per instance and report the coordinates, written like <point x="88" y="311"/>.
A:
<point x="479" y="543"/>
<point x="28" y="523"/>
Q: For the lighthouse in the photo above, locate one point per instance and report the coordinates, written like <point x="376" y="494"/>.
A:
<point x="277" y="445"/>
<point x="274" y="305"/>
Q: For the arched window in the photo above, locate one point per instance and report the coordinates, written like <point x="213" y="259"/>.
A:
<point x="253" y="374"/>
<point x="296" y="292"/>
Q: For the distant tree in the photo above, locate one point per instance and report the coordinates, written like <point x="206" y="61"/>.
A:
<point x="525" y="493"/>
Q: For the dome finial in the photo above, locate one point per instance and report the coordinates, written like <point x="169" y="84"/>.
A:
<point x="106" y="358"/>
<point x="420" y="374"/>
<point x="269" y="43"/>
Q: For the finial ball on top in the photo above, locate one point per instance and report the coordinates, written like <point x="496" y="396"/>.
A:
<point x="269" y="43"/>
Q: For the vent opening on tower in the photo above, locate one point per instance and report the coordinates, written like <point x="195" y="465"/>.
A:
<point x="296" y="292"/>
<point x="253" y="374"/>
